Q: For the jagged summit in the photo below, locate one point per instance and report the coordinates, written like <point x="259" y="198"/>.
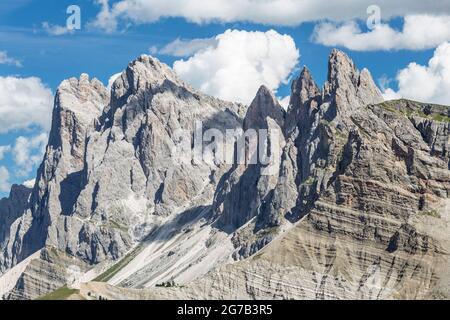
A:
<point x="80" y="85"/>
<point x="339" y="63"/>
<point x="84" y="97"/>
<point x="144" y="72"/>
<point x="305" y="88"/>
<point x="264" y="91"/>
<point x="347" y="89"/>
<point x="264" y="105"/>
<point x="352" y="179"/>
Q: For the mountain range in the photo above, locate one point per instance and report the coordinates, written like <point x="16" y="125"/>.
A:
<point x="358" y="206"/>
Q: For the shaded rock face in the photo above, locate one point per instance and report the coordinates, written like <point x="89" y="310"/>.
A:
<point x="366" y="184"/>
<point x="243" y="189"/>
<point x="11" y="209"/>
<point x="62" y="174"/>
<point x="359" y="191"/>
<point x="318" y="126"/>
<point x="107" y="176"/>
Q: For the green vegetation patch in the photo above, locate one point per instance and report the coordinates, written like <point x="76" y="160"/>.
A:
<point x="430" y="213"/>
<point x="441" y="118"/>
<point x="62" y="293"/>
<point x="111" y="272"/>
<point x="388" y="107"/>
<point x="410" y="108"/>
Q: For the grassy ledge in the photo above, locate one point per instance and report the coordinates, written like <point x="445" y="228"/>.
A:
<point x="62" y="293"/>
<point x="111" y="272"/>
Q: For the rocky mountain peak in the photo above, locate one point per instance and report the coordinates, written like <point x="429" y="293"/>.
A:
<point x="346" y="87"/>
<point x="342" y="74"/>
<point x="143" y="73"/>
<point x="78" y="103"/>
<point x="109" y="185"/>
<point x="264" y="105"/>
<point x="339" y="66"/>
<point x="83" y="89"/>
<point x="142" y="79"/>
<point x="305" y="97"/>
<point x="264" y="91"/>
<point x="367" y="89"/>
<point x="305" y="88"/>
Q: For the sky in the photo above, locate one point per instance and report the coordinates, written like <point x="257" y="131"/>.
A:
<point x="226" y="48"/>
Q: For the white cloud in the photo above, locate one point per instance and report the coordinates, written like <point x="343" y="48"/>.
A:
<point x="429" y="83"/>
<point x="5" y="59"/>
<point x="3" y="151"/>
<point x="274" y="12"/>
<point x="105" y="19"/>
<point x="186" y="48"/>
<point x="55" y="30"/>
<point x="419" y="32"/>
<point x="153" y="50"/>
<point x="28" y="152"/>
<point x="284" y="102"/>
<point x="239" y="63"/>
<point x="29" y="183"/>
<point x="389" y="94"/>
<point x="4" y="180"/>
<point x="112" y="79"/>
<point x="24" y="102"/>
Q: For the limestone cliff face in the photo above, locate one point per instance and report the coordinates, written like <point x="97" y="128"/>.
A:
<point x="108" y="176"/>
<point x="356" y="205"/>
<point x="12" y="209"/>
<point x="366" y="184"/>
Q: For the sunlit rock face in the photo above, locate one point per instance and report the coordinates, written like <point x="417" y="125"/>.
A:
<point x="356" y="204"/>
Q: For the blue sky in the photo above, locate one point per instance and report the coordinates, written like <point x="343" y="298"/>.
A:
<point x="100" y="53"/>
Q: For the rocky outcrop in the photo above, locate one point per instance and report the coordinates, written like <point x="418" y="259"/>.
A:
<point x="360" y="208"/>
<point x="109" y="178"/>
<point x="355" y="204"/>
<point x="309" y="263"/>
<point x="11" y="210"/>
<point x="243" y="190"/>
<point x="49" y="271"/>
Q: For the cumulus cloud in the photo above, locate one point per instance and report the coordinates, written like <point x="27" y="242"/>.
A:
<point x="185" y="48"/>
<point x="284" y="102"/>
<point x="24" y="102"/>
<point x="3" y="151"/>
<point x="428" y="83"/>
<point x="5" y="59"/>
<point x="389" y="94"/>
<point x="29" y="183"/>
<point x="106" y="19"/>
<point x="272" y="12"/>
<point x="239" y="63"/>
<point x="4" y="179"/>
<point x="28" y="152"/>
<point x="112" y="79"/>
<point x="55" y="30"/>
<point x="419" y="32"/>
